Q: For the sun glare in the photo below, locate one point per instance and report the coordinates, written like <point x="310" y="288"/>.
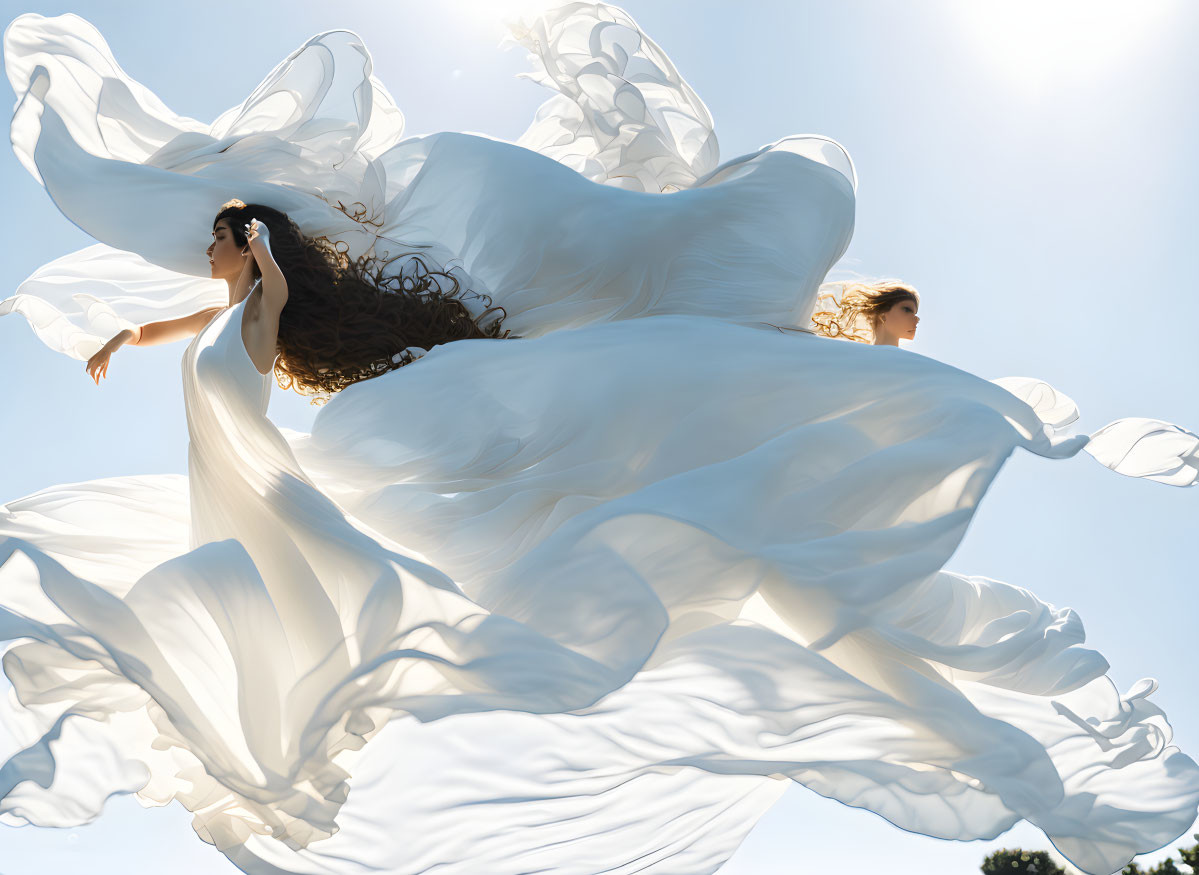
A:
<point x="1040" y="42"/>
<point x="491" y="14"/>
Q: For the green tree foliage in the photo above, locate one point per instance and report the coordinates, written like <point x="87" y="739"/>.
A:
<point x="1020" y="862"/>
<point x="1017" y="861"/>
<point x="1166" y="867"/>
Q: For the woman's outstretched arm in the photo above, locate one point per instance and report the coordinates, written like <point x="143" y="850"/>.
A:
<point x="153" y="333"/>
<point x="148" y="335"/>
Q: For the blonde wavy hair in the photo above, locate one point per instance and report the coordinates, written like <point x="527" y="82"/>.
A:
<point x="853" y="315"/>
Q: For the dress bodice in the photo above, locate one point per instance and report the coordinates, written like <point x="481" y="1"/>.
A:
<point x="225" y="399"/>
<point x="217" y="367"/>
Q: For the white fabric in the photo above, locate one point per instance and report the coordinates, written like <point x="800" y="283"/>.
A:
<point x="593" y="595"/>
<point x="435" y="195"/>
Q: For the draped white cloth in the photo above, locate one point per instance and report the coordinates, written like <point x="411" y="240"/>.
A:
<point x="579" y="602"/>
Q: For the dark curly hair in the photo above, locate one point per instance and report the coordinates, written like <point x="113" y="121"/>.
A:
<point x="348" y="320"/>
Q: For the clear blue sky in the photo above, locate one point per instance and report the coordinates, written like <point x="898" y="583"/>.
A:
<point x="1032" y="173"/>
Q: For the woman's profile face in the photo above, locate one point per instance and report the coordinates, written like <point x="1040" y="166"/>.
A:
<point x="224" y="255"/>
<point x="901" y="320"/>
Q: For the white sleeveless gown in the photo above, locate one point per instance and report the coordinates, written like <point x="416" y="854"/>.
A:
<point x="593" y="596"/>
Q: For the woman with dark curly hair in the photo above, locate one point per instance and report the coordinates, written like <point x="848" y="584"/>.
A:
<point x="316" y="317"/>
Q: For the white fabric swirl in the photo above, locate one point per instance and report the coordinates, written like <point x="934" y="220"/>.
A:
<point x="579" y="602"/>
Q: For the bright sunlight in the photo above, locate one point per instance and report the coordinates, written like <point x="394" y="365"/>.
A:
<point x="1038" y="42"/>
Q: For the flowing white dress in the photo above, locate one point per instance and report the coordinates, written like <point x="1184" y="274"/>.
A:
<point x="583" y="601"/>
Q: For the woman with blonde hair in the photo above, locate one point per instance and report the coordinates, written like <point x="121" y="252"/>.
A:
<point x="881" y="312"/>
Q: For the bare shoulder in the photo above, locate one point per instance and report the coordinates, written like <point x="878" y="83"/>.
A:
<point x="197" y="322"/>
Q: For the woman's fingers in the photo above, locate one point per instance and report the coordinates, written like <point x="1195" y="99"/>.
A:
<point x="97" y="367"/>
<point x="254" y="229"/>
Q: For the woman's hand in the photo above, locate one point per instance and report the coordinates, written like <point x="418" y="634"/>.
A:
<point x="257" y="233"/>
<point x="97" y="365"/>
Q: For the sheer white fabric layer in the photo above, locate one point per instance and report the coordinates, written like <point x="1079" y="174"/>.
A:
<point x="618" y="580"/>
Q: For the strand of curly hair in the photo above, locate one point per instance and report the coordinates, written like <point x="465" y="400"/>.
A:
<point x="852" y="317"/>
<point x="347" y="320"/>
